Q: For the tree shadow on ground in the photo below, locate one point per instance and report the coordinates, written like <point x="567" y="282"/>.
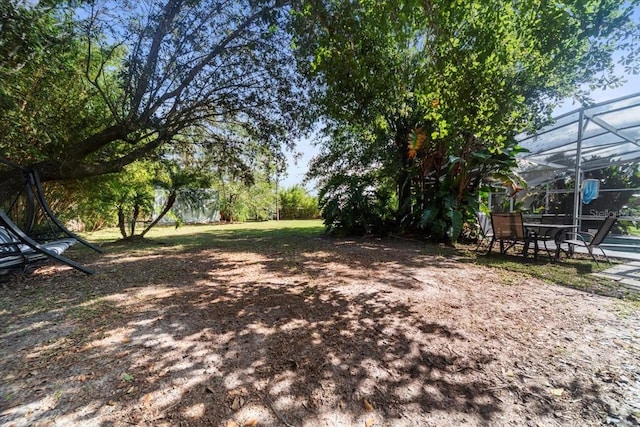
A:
<point x="284" y="331"/>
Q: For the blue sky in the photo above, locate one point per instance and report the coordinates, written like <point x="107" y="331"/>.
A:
<point x="297" y="169"/>
<point x="632" y="86"/>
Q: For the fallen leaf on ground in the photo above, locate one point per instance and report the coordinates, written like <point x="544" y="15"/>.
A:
<point x="369" y="422"/>
<point x="237" y="403"/>
<point x="240" y="391"/>
<point x="250" y="423"/>
<point x="368" y="406"/>
<point x="557" y="391"/>
<point x="231" y="423"/>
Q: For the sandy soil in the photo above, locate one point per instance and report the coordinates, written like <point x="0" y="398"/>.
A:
<point x="327" y="333"/>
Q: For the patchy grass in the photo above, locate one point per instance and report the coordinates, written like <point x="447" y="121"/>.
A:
<point x="572" y="273"/>
<point x="91" y="310"/>
<point x="289" y="237"/>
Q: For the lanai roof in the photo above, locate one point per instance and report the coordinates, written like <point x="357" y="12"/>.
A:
<point x="588" y="138"/>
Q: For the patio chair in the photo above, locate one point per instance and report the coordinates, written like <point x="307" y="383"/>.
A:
<point x="596" y="239"/>
<point x="509" y="230"/>
<point x="485" y="231"/>
<point x="553" y="237"/>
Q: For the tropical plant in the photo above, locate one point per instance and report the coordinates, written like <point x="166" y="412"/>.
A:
<point x="353" y="204"/>
<point x="433" y="93"/>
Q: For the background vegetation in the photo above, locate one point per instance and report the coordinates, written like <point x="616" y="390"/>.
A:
<point x="418" y="102"/>
<point x="423" y="101"/>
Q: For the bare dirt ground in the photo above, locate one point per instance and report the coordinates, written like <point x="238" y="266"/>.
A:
<point x="325" y="332"/>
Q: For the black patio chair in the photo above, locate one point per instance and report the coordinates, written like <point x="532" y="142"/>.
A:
<point x="596" y="239"/>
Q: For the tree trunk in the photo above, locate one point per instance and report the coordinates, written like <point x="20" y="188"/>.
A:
<point x="403" y="181"/>
<point x="171" y="200"/>
<point x="136" y="214"/>
<point x="121" y="222"/>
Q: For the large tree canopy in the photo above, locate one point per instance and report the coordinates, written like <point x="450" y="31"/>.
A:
<point x="426" y="96"/>
<point x="93" y="86"/>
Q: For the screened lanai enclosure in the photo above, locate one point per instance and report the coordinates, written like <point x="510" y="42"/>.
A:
<point x="582" y="167"/>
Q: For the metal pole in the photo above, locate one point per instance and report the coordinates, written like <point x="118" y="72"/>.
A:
<point x="546" y="200"/>
<point x="578" y="172"/>
<point x="277" y="210"/>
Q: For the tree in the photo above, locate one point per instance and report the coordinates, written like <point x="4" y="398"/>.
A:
<point x="46" y="102"/>
<point x="297" y="203"/>
<point x="240" y="202"/>
<point x="431" y="94"/>
<point x="159" y="69"/>
<point x="131" y="195"/>
<point x="178" y="177"/>
<point x="247" y="192"/>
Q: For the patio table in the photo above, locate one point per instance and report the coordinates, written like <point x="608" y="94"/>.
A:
<point x="550" y="232"/>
